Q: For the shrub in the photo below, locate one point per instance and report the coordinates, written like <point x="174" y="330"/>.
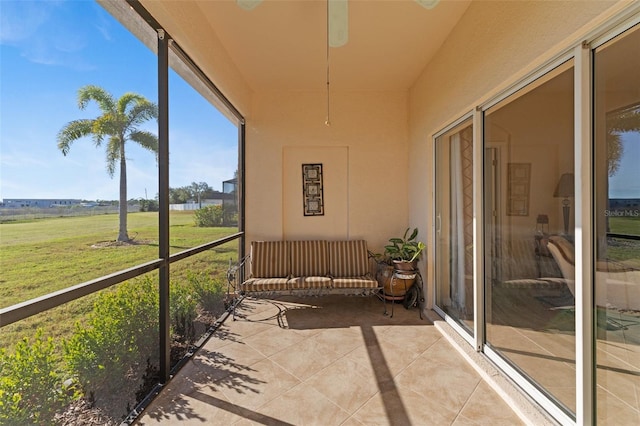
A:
<point x="148" y="205"/>
<point x="31" y="383"/>
<point x="182" y="310"/>
<point x="209" y="216"/>
<point x="120" y="335"/>
<point x="210" y="292"/>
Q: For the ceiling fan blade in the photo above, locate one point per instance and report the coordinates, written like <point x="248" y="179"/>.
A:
<point x="428" y="4"/>
<point x="338" y="16"/>
<point x="248" y="4"/>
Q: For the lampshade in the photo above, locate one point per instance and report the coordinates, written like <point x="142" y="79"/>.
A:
<point x="564" y="189"/>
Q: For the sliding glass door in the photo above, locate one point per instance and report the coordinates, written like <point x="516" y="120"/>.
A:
<point x="528" y="231"/>
<point x="454" y="224"/>
<point x="617" y="233"/>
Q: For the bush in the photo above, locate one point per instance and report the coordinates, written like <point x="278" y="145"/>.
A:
<point x="209" y="216"/>
<point x="120" y="335"/>
<point x="182" y="310"/>
<point x="31" y="383"/>
<point x="210" y="293"/>
<point x="107" y="354"/>
<point x="148" y="205"/>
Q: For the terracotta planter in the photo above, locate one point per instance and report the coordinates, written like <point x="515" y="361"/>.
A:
<point x="403" y="265"/>
<point x="396" y="288"/>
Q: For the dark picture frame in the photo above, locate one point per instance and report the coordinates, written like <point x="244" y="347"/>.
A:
<point x="312" y="189"/>
<point x="518" y="184"/>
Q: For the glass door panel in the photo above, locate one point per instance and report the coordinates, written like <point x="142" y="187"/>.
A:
<point x="617" y="216"/>
<point x="528" y="199"/>
<point x="454" y="224"/>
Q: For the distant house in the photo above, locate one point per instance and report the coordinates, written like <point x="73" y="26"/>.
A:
<point x="220" y="199"/>
<point x="43" y="203"/>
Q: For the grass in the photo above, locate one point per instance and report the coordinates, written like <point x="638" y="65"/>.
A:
<point x="623" y="249"/>
<point x="41" y="256"/>
<point x="625" y="225"/>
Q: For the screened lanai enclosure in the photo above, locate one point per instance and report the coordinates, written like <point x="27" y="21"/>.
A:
<point x="507" y="133"/>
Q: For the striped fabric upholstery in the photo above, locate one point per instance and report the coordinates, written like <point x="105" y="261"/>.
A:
<point x="348" y="258"/>
<point x="269" y="259"/>
<point x="309" y="258"/>
<point x="265" y="284"/>
<point x="359" y="282"/>
<point x="310" y="283"/>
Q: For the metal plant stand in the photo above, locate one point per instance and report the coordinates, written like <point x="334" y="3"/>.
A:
<point x="400" y="277"/>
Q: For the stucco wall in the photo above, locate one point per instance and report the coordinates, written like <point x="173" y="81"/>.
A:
<point x="493" y="45"/>
<point x="372" y="126"/>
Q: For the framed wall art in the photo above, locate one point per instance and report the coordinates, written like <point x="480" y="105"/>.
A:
<point x="312" y="190"/>
<point x="519" y="181"/>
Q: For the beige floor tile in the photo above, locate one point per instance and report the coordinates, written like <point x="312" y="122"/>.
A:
<point x="416" y="338"/>
<point x="273" y="340"/>
<point x="352" y="421"/>
<point x="620" y="383"/>
<point x="306" y="359"/>
<point x="233" y="360"/>
<point x="546" y="370"/>
<point x="382" y="357"/>
<point x="185" y="402"/>
<point x="340" y="340"/>
<point x="242" y="328"/>
<point x="266" y="382"/>
<point x="487" y="408"/>
<point x="613" y="411"/>
<point x="449" y="386"/>
<point x="618" y="355"/>
<point x="442" y="352"/>
<point x="463" y="421"/>
<point x="303" y="405"/>
<point x="403" y="407"/>
<point x="323" y="361"/>
<point x="557" y="344"/>
<point x="345" y="384"/>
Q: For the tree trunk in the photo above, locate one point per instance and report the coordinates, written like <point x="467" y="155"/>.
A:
<point x="122" y="210"/>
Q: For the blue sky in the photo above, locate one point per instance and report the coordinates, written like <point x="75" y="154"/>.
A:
<point x="626" y="182"/>
<point x="48" y="50"/>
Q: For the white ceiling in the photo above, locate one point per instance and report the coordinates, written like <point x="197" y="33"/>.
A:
<point x="282" y="45"/>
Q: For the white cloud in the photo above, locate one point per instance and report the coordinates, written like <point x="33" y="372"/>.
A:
<point x="20" y="20"/>
<point x="39" y="31"/>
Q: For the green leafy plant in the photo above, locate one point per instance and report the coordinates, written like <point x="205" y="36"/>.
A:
<point x="118" y="337"/>
<point x="182" y="311"/>
<point x="405" y="248"/>
<point x="31" y="382"/>
<point x="209" y="216"/>
<point x="209" y="291"/>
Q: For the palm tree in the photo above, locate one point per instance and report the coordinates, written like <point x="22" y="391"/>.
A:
<point x="118" y="123"/>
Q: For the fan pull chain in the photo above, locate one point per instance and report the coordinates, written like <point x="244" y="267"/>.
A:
<point x="328" y="120"/>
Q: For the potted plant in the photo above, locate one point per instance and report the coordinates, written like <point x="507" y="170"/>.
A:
<point x="405" y="251"/>
<point x="401" y="254"/>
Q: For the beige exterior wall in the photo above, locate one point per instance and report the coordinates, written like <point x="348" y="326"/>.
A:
<point x="369" y="127"/>
<point x="493" y="46"/>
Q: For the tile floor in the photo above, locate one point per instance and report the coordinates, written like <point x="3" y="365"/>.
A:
<point x="333" y="360"/>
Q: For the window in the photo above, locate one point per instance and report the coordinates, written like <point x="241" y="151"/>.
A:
<point x="528" y="182"/>
<point x="454" y="224"/>
<point x="617" y="227"/>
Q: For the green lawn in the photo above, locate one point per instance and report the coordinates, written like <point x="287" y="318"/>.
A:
<point x="625" y="225"/>
<point x="624" y="249"/>
<point x="45" y="255"/>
